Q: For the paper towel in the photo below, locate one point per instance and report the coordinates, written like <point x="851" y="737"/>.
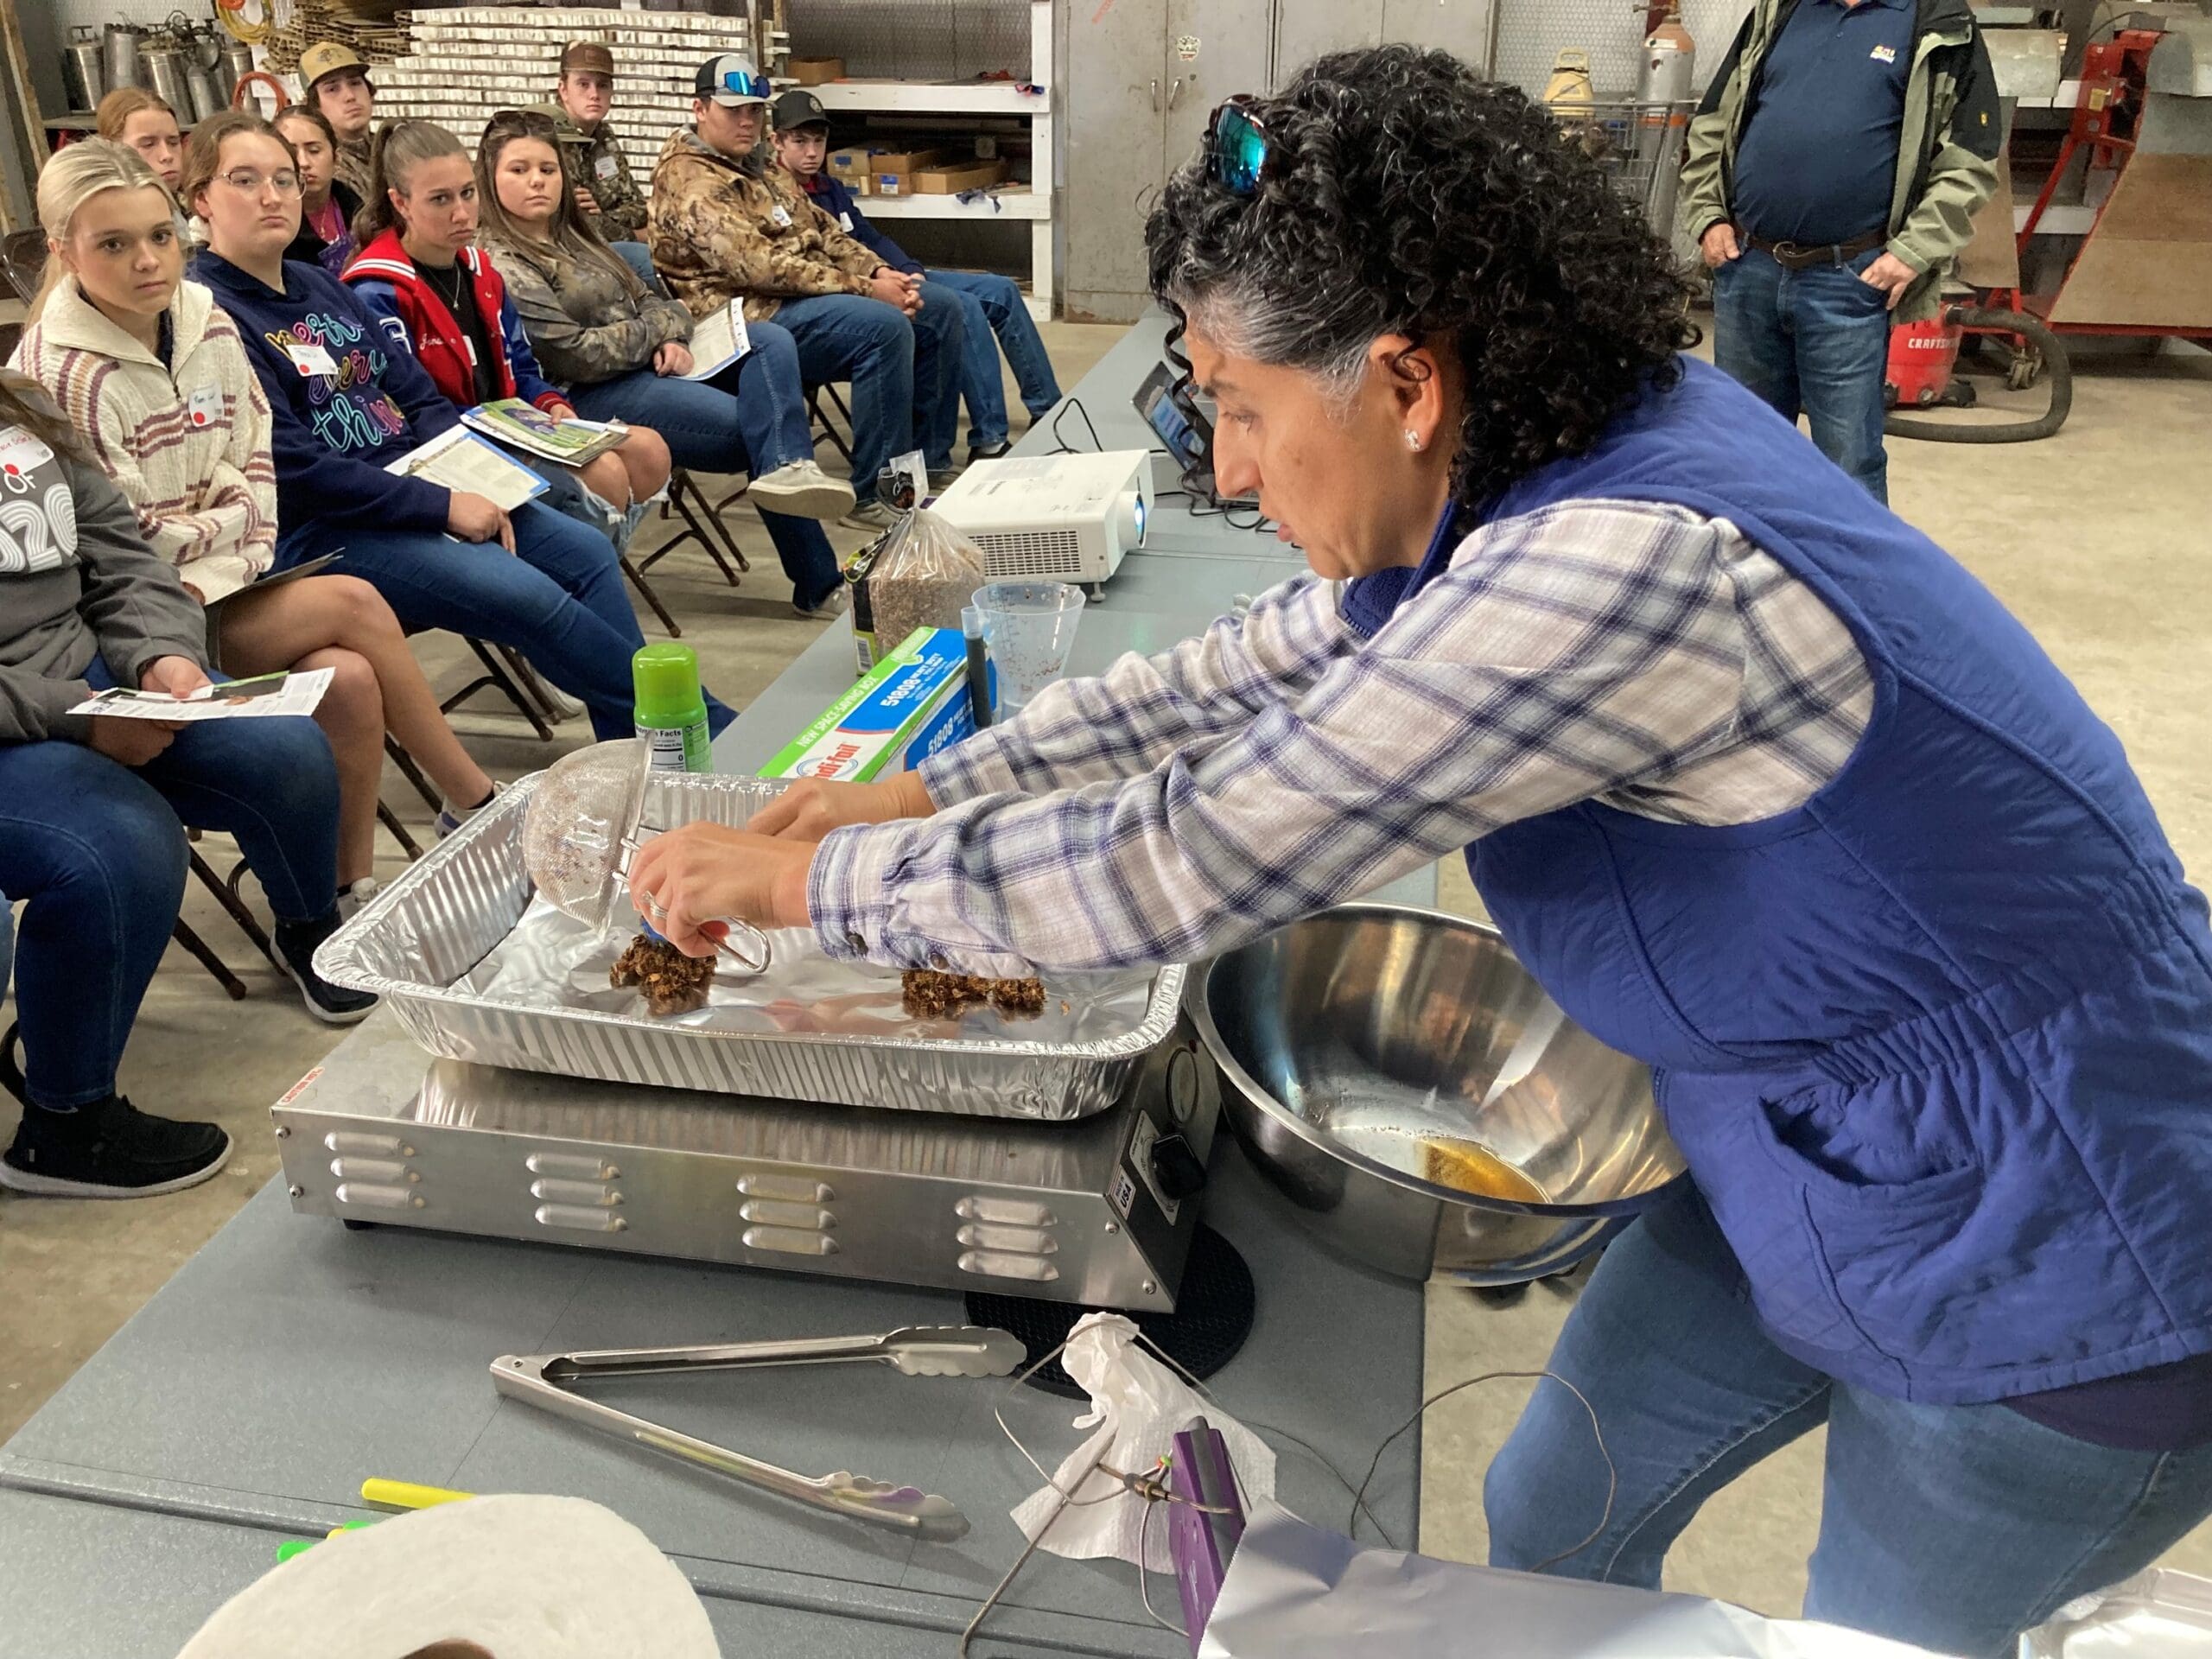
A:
<point x="520" y="1578"/>
<point x="1137" y="1404"/>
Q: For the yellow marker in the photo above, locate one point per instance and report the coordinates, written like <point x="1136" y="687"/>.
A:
<point x="406" y="1495"/>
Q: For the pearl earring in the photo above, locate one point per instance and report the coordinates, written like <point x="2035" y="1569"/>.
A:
<point x="1413" y="439"/>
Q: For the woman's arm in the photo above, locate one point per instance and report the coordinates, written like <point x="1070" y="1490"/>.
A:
<point x="1144" y="709"/>
<point x="1567" y="655"/>
<point x="133" y="601"/>
<point x="530" y="385"/>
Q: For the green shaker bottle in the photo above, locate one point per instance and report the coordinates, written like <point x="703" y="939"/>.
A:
<point x="671" y="713"/>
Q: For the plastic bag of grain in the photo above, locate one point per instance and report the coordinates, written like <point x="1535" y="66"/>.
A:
<point x="919" y="574"/>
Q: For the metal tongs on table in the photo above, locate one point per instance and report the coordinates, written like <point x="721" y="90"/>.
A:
<point x="547" y="1382"/>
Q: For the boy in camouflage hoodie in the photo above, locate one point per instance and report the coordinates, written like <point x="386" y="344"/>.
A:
<point x="725" y="225"/>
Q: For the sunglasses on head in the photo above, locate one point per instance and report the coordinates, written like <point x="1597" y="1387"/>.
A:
<point x="736" y="80"/>
<point x="1239" y="155"/>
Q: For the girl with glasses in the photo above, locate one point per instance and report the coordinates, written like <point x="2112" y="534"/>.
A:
<point x="156" y="378"/>
<point x="622" y="350"/>
<point x="345" y="402"/>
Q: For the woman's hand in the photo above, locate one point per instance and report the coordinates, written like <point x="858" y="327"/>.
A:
<point x="479" y="519"/>
<point x="695" y="875"/>
<point x="560" y="412"/>
<point x="176" y="677"/>
<point x="130" y="742"/>
<point x="673" y="358"/>
<point x="811" y="809"/>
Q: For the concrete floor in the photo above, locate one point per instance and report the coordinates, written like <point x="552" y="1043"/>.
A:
<point x="2096" y="538"/>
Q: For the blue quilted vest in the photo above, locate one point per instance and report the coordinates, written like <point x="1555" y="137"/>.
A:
<point x="1937" y="1045"/>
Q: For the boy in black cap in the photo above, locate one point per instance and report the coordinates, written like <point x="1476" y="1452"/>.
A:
<point x="994" y="315"/>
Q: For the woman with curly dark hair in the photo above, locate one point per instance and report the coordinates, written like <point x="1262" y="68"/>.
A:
<point x="1766" y="789"/>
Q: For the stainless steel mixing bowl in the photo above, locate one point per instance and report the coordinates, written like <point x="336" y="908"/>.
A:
<point x="1370" y="1043"/>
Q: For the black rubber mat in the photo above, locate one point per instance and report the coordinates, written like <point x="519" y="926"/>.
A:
<point x="1212" y="1317"/>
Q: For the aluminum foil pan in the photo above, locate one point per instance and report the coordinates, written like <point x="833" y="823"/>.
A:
<point x="477" y="968"/>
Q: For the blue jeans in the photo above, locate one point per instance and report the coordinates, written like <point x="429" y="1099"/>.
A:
<point x="557" y="599"/>
<point x="1953" y="1526"/>
<point x="903" y="373"/>
<point x="751" y="418"/>
<point x="995" y="319"/>
<point x="95" y="849"/>
<point x="639" y="258"/>
<point x="1812" y="341"/>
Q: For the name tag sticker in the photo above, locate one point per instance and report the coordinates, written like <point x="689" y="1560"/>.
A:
<point x="845" y="223"/>
<point x="22" y="453"/>
<point x="781" y="217"/>
<point x="204" y="405"/>
<point x="310" y="358"/>
<point x="604" y="167"/>
<point x="1884" y="55"/>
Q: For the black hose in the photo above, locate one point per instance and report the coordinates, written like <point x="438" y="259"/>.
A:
<point x="2057" y="368"/>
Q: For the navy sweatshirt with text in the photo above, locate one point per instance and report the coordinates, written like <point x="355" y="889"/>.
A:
<point x="334" y="434"/>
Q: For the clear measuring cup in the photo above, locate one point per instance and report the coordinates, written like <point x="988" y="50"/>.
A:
<point x="1032" y="628"/>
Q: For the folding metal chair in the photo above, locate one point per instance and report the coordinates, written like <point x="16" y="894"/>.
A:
<point x="825" y="429"/>
<point x="702" y="521"/>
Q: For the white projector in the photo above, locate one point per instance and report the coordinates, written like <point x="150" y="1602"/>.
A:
<point x="1052" y="518"/>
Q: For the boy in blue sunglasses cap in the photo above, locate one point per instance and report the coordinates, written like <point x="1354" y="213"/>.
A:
<point x="725" y="223"/>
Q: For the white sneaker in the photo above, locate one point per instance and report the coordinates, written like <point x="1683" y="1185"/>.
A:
<point x="836" y="604"/>
<point x="803" y="490"/>
<point x="871" y="516"/>
<point x="565" y="708"/>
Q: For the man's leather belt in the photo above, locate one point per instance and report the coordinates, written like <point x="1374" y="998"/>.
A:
<point x="1794" y="256"/>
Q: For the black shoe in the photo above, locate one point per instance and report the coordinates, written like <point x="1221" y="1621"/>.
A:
<point x="944" y="478"/>
<point x="331" y="1004"/>
<point x="993" y="453"/>
<point x="111" y="1150"/>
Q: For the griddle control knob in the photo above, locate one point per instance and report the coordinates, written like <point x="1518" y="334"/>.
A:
<point x="1176" y="1169"/>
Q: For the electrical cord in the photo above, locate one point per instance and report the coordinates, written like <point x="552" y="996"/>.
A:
<point x="1060" y="445"/>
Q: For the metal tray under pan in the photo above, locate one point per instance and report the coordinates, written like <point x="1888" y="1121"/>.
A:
<point x="476" y="970"/>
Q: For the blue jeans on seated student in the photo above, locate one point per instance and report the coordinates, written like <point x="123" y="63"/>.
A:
<point x="903" y="373"/>
<point x="97" y="850"/>
<point x="1950" y="1526"/>
<point x="557" y="599"/>
<point x="639" y="258"/>
<point x="751" y="418"/>
<point x="1815" y="342"/>
<point x="993" y="318"/>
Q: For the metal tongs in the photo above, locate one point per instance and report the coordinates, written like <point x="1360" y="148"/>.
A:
<point x="546" y="1381"/>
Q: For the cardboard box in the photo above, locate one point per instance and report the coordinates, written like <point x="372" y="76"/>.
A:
<point x="903" y="710"/>
<point x="952" y="180"/>
<point x="816" y="72"/>
<point x="848" y="165"/>
<point x="901" y="163"/>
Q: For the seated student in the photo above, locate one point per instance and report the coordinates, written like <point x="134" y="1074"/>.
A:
<point x="416" y="266"/>
<point x="992" y="315"/>
<point x="345" y="404"/>
<point x="621" y="350"/>
<point x="337" y="83"/>
<point x="141" y="120"/>
<point x="328" y="204"/>
<point x="155" y="379"/>
<point x="599" y="173"/>
<point x="724" y="224"/>
<point x="89" y="808"/>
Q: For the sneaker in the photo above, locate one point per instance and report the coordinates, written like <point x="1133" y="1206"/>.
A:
<point x="989" y="451"/>
<point x="564" y="707"/>
<point x="351" y="897"/>
<point x="331" y="1004"/>
<point x="944" y="478"/>
<point x="870" y="516"/>
<point x="836" y="602"/>
<point x="111" y="1150"/>
<point x="803" y="490"/>
<point x="451" y="818"/>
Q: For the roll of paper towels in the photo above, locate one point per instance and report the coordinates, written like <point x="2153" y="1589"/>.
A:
<point x="516" y="1577"/>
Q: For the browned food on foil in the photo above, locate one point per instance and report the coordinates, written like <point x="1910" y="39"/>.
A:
<point x="671" y="981"/>
<point x="929" y="994"/>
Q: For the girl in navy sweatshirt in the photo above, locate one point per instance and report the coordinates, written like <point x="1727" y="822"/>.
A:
<point x="346" y="403"/>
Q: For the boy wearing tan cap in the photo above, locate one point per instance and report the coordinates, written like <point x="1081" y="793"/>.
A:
<point x="337" y="83"/>
<point x="596" y="167"/>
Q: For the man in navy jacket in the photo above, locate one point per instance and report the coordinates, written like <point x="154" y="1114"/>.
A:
<point x="992" y="306"/>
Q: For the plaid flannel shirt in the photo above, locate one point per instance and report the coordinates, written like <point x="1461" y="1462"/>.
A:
<point x="1175" y="806"/>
